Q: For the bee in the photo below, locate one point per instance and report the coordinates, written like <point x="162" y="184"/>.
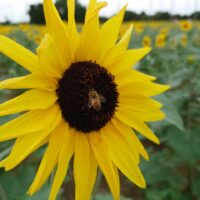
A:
<point x="95" y="100"/>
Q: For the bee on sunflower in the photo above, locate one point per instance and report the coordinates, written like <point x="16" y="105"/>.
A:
<point x="84" y="100"/>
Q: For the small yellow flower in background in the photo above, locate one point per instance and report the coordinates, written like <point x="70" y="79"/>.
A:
<point x="38" y="38"/>
<point x="84" y="100"/>
<point x="160" y="40"/>
<point x="146" y="41"/>
<point x="24" y="27"/>
<point x="164" y="31"/>
<point x="186" y="25"/>
<point x="191" y="59"/>
<point x="184" y="40"/>
<point x="139" y="28"/>
<point x="6" y="29"/>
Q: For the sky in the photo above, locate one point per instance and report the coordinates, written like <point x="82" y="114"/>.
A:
<point x="16" y="10"/>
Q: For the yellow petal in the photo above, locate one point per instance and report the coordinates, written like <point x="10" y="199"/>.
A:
<point x="36" y="81"/>
<point x="65" y="156"/>
<point x="114" y="54"/>
<point x="131" y="75"/>
<point x="49" y="62"/>
<point x="3" y="162"/>
<point x="81" y="166"/>
<point x="31" y="122"/>
<point x="72" y="29"/>
<point x="130" y="137"/>
<point x="71" y="13"/>
<point x="122" y="135"/>
<point x="147" y="115"/>
<point x="50" y="158"/>
<point x="128" y="60"/>
<point x="140" y="101"/>
<point x="90" y="33"/>
<point x="18" y="53"/>
<point x="27" y="144"/>
<point x="93" y="10"/>
<point x="92" y="176"/>
<point x="145" y="88"/>
<point x="23" y="147"/>
<point x="58" y="32"/>
<point x="122" y="156"/>
<point x="136" y="124"/>
<point x="109" y="34"/>
<point x="30" y="100"/>
<point x="104" y="161"/>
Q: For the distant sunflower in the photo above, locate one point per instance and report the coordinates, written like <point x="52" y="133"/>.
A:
<point x="160" y="40"/>
<point x="184" y="40"/>
<point x="186" y="25"/>
<point x="84" y="100"/>
<point x="146" y="41"/>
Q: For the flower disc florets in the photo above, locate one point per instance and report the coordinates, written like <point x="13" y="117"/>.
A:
<point x="87" y="95"/>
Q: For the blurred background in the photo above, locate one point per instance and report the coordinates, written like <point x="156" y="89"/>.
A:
<point x="172" y="29"/>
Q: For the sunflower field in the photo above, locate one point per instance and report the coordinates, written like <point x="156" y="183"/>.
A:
<point x="173" y="171"/>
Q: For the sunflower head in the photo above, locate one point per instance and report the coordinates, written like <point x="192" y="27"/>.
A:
<point x="164" y="31"/>
<point x="185" y="25"/>
<point x="160" y="40"/>
<point x="84" y="99"/>
<point x="146" y="41"/>
<point x="139" y="28"/>
<point x="184" y="40"/>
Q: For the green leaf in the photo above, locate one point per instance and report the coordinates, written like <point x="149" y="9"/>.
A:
<point x="171" y="112"/>
<point x="41" y="195"/>
<point x="186" y="145"/>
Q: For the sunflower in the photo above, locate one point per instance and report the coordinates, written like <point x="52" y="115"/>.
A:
<point x="146" y="41"/>
<point x="160" y="40"/>
<point x="185" y="25"/>
<point x="84" y="101"/>
<point x="184" y="40"/>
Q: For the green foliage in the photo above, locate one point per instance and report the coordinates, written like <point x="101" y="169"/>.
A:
<point x="108" y="197"/>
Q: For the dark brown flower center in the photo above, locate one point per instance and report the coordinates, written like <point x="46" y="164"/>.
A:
<point x="87" y="95"/>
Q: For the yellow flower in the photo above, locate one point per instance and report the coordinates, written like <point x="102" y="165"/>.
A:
<point x="160" y="40"/>
<point x="84" y="98"/>
<point x="146" y="42"/>
<point x="184" y="40"/>
<point x="139" y="28"/>
<point x="191" y="59"/>
<point x="38" y="39"/>
<point x="164" y="31"/>
<point x="185" y="25"/>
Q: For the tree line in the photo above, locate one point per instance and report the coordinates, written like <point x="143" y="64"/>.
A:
<point x="37" y="16"/>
